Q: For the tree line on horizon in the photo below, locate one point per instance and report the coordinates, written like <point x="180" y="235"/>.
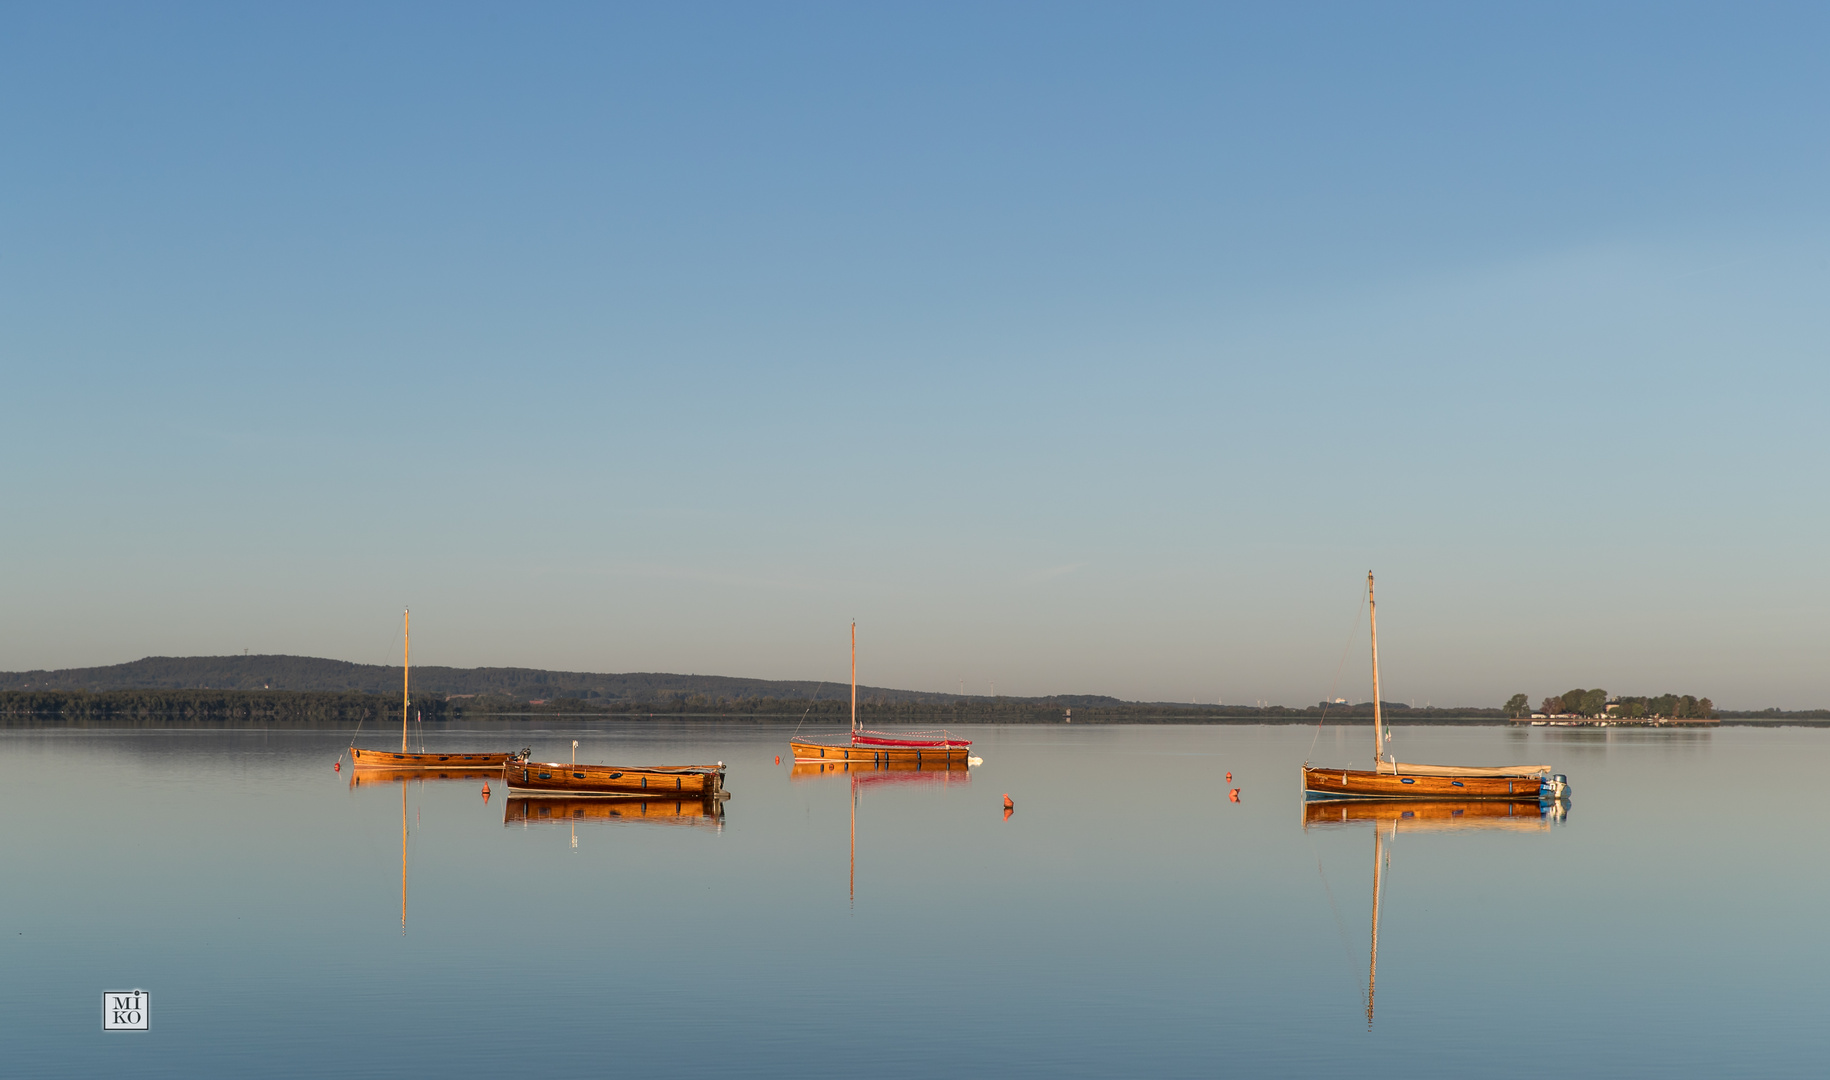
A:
<point x="300" y="706"/>
<point x="1597" y="703"/>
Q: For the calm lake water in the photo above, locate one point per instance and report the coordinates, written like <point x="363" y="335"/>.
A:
<point x="1127" y="919"/>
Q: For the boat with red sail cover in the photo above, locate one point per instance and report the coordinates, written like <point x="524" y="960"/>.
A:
<point x="881" y="748"/>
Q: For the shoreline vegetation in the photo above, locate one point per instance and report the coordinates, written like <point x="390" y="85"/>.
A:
<point x="162" y="707"/>
<point x="308" y="690"/>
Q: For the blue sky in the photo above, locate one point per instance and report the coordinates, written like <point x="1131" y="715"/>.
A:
<point x="1072" y="347"/>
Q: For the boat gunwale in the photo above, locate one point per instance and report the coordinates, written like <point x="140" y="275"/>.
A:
<point x="395" y="759"/>
<point x="661" y="770"/>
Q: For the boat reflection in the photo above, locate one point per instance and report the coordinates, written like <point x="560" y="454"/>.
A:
<point x="602" y="810"/>
<point x="1389" y="817"/>
<point x="864" y="775"/>
<point x="895" y="772"/>
<point x="1432" y="815"/>
<point x="376" y="777"/>
<point x="401" y="779"/>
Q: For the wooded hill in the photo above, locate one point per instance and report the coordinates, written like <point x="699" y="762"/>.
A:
<point x="296" y="706"/>
<point x="298" y="689"/>
<point x="517" y="684"/>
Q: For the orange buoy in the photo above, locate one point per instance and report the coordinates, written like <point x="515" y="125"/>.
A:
<point x="1008" y="805"/>
<point x="778" y="759"/>
<point x="1007" y="813"/>
<point x="1233" y="795"/>
<point x="1229" y="778"/>
<point x="486" y="789"/>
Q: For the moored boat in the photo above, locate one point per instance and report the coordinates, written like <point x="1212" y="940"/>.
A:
<point x="409" y="760"/>
<point x="526" y="777"/>
<point x="388" y="759"/>
<point x="881" y="748"/>
<point x="1393" y="779"/>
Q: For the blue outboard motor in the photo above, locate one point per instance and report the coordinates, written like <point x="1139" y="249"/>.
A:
<point x="1553" y="787"/>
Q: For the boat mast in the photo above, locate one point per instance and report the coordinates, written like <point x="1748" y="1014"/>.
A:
<point x="1378" y="720"/>
<point x="854" y="675"/>
<point x="406" y="655"/>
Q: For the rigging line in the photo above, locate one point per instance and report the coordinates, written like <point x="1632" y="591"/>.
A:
<point x="810" y="703"/>
<point x="1332" y="906"/>
<point x="1353" y="635"/>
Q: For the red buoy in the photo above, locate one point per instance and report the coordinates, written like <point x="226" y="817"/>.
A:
<point x="778" y="759"/>
<point x="1008" y="805"/>
<point x="1229" y="778"/>
<point x="1233" y="795"/>
<point x="337" y="765"/>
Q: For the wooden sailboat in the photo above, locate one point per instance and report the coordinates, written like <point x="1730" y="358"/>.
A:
<point x="387" y="759"/>
<point x="1392" y="779"/>
<point x="880" y="747"/>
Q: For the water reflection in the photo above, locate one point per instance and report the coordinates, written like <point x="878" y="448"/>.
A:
<point x="1435" y="815"/>
<point x="867" y="774"/>
<point x="1389" y="817"/>
<point x="400" y="779"/>
<point x="895" y="772"/>
<point x="375" y="777"/>
<point x="601" y="811"/>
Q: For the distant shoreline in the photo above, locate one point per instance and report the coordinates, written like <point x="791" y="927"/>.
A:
<point x="231" y="714"/>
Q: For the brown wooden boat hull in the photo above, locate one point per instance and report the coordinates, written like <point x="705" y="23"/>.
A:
<point x="633" y="808"/>
<point x="882" y="756"/>
<point x="1370" y="785"/>
<point x="660" y="781"/>
<point x="388" y="759"/>
<point x="1429" y="815"/>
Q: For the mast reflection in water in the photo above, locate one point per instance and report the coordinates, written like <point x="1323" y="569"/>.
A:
<point x="935" y="772"/>
<point x="1388" y="818"/>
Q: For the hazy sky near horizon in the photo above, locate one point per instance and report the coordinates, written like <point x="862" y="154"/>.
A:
<point x="1079" y="348"/>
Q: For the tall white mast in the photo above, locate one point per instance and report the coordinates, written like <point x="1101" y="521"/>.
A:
<point x="854" y="675"/>
<point x="1378" y="719"/>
